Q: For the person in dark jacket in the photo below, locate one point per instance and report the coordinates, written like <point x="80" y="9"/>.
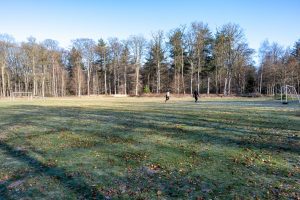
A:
<point x="167" y="96"/>
<point x="196" y="95"/>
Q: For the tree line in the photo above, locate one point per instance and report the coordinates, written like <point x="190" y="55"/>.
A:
<point x="185" y="59"/>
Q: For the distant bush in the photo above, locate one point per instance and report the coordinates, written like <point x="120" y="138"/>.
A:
<point x="146" y="89"/>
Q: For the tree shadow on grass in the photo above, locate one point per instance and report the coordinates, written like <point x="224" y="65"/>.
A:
<point x="135" y="119"/>
<point x="131" y="120"/>
<point x="75" y="184"/>
<point x="134" y="122"/>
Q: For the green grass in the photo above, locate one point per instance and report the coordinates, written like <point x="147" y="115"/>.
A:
<point x="142" y="148"/>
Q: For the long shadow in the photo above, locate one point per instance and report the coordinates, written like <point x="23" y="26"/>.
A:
<point x="75" y="113"/>
<point x="74" y="184"/>
<point x="135" y="119"/>
<point x="130" y="120"/>
<point x="225" y="140"/>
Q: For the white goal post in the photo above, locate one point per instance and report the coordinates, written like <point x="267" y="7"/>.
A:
<point x="27" y="95"/>
<point x="289" y="91"/>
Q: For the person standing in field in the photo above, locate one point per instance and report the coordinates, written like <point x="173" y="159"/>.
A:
<point x="196" y="95"/>
<point x="167" y="96"/>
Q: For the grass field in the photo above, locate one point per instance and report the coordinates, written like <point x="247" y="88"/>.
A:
<point x="142" y="148"/>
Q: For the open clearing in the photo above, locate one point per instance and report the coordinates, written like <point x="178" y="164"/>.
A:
<point x="142" y="148"/>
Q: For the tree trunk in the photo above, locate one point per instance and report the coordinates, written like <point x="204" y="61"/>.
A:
<point x="88" y="79"/>
<point x="137" y="79"/>
<point x="8" y="85"/>
<point x="192" y="75"/>
<point x="43" y="82"/>
<point x="62" y="83"/>
<point x="216" y="81"/>
<point x="261" y="78"/>
<point x="53" y="79"/>
<point x="26" y="82"/>
<point x="79" y="80"/>
<point x="182" y="72"/>
<point x="158" y="77"/>
<point x="34" y="77"/>
<point x="3" y="78"/>
<point x="225" y="87"/>
<point x="117" y="84"/>
<point x="115" y="80"/>
<point x="220" y="83"/>
<point x="198" y="79"/>
<point x="198" y="71"/>
<point x="178" y="81"/>
<point x="298" y="81"/>
<point x="105" y="80"/>
<point x="97" y="83"/>
<point x="208" y="82"/>
<point x="175" y="80"/>
<point x="229" y="85"/>
<point x="1" y="89"/>
<point x="105" y="83"/>
<point x="56" y="83"/>
<point x="109" y="85"/>
<point x="125" y="80"/>
<point x="94" y="84"/>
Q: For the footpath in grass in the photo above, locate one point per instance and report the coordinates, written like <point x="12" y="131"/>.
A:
<point x="142" y="148"/>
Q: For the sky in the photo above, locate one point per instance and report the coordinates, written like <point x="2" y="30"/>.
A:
<point x="64" y="20"/>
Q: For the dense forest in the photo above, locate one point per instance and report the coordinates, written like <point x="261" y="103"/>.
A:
<point x="182" y="60"/>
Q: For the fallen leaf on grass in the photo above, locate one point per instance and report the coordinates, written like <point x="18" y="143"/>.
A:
<point x="15" y="184"/>
<point x="4" y="179"/>
<point x="155" y="167"/>
<point x="205" y="190"/>
<point x="150" y="170"/>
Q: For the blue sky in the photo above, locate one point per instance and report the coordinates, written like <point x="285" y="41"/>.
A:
<point x="64" y="20"/>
